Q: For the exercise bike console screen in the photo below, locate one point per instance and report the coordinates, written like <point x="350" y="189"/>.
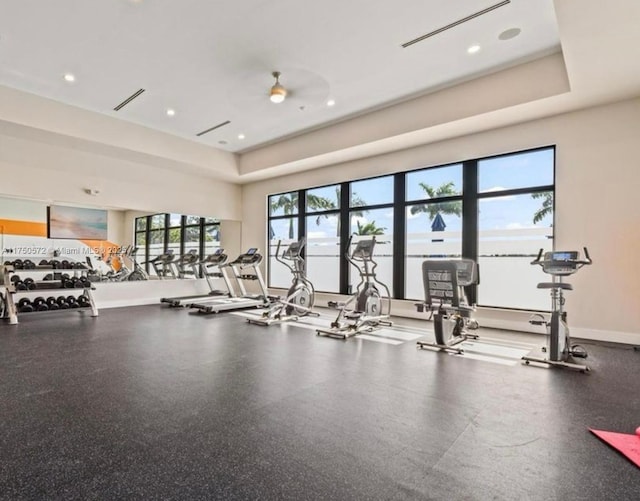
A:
<point x="563" y="256"/>
<point x="252" y="251"/>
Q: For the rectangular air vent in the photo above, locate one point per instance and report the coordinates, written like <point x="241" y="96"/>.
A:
<point x="128" y="100"/>
<point x="213" y="128"/>
<point x="455" y="23"/>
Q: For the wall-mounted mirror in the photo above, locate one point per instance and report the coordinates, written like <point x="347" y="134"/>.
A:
<point x="134" y="246"/>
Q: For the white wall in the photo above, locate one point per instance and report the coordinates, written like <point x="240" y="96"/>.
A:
<point x="60" y="174"/>
<point x="596" y="185"/>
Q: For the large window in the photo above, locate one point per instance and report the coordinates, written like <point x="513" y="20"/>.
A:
<point x="433" y="221"/>
<point x="159" y="233"/>
<point x="498" y="211"/>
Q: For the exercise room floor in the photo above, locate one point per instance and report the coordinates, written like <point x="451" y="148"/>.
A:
<point x="156" y="403"/>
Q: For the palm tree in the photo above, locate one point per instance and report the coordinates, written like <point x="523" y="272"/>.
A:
<point x="369" y="229"/>
<point x="547" y="205"/>
<point x="432" y="210"/>
<point x="288" y="202"/>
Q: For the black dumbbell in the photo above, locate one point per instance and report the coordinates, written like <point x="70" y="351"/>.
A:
<point x="25" y="306"/>
<point x="52" y="303"/>
<point x="85" y="282"/>
<point x="40" y="304"/>
<point x="73" y="303"/>
<point x="67" y="283"/>
<point x="28" y="264"/>
<point x="17" y="264"/>
<point x="54" y="263"/>
<point x="64" y="264"/>
<point x="62" y="302"/>
<point x="20" y="285"/>
<point x="8" y="263"/>
<point x="83" y="301"/>
<point x="24" y="301"/>
<point x="15" y="279"/>
<point x="43" y="262"/>
<point x="30" y="283"/>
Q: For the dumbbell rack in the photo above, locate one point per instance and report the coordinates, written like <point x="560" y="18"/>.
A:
<point x="11" y="311"/>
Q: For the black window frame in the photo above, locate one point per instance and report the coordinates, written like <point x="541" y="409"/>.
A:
<point x="470" y="198"/>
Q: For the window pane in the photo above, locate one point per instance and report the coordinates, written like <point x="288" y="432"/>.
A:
<point x="511" y="231"/>
<point x="323" y="252"/>
<point x="157" y="221"/>
<point x="207" y="220"/>
<point x="156" y="243"/>
<point x="434" y="183"/>
<point x="174" y="240"/>
<point x="141" y="239"/>
<point x="285" y="231"/>
<point x="377" y="222"/>
<point x="192" y="239"/>
<point x="141" y="223"/>
<point x="372" y="191"/>
<point x="283" y="204"/>
<point x="522" y="170"/>
<point x="211" y="239"/>
<point x="192" y="220"/>
<point x="175" y="220"/>
<point x="325" y="198"/>
<point x="433" y="231"/>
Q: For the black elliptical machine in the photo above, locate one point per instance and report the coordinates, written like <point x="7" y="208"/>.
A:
<point x="365" y="310"/>
<point x="301" y="295"/>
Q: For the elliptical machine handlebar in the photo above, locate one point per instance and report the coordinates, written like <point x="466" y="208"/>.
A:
<point x="294" y="254"/>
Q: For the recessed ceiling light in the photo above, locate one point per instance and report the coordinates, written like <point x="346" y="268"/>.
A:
<point x="69" y="77"/>
<point x="509" y="34"/>
<point x="473" y="49"/>
<point x="331" y="102"/>
<point x="240" y="136"/>
<point x="171" y="112"/>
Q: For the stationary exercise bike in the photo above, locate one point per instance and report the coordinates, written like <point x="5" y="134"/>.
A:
<point x="447" y="303"/>
<point x="364" y="311"/>
<point x="561" y="352"/>
<point x="301" y="295"/>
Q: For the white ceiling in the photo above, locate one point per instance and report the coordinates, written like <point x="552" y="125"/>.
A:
<point x="211" y="60"/>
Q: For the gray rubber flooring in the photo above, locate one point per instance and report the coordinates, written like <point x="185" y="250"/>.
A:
<point x="155" y="403"/>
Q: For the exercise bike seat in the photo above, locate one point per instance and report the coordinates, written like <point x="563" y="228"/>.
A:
<point x="556" y="285"/>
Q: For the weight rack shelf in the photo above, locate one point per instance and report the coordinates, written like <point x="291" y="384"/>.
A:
<point x="10" y="311"/>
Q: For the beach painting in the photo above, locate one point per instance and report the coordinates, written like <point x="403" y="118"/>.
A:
<point x="76" y="223"/>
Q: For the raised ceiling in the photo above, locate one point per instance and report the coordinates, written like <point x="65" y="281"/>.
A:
<point x="211" y="60"/>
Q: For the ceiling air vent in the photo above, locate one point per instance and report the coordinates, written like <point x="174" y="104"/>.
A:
<point x="128" y="100"/>
<point x="213" y="128"/>
<point x="455" y="23"/>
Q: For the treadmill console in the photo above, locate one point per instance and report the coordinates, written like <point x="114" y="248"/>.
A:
<point x="218" y="257"/>
<point x="252" y="256"/>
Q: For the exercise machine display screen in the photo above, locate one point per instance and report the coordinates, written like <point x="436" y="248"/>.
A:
<point x="218" y="251"/>
<point x="563" y="256"/>
<point x="252" y="251"/>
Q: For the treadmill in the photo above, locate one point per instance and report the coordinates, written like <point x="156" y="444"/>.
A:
<point x="208" y="267"/>
<point x="244" y="268"/>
